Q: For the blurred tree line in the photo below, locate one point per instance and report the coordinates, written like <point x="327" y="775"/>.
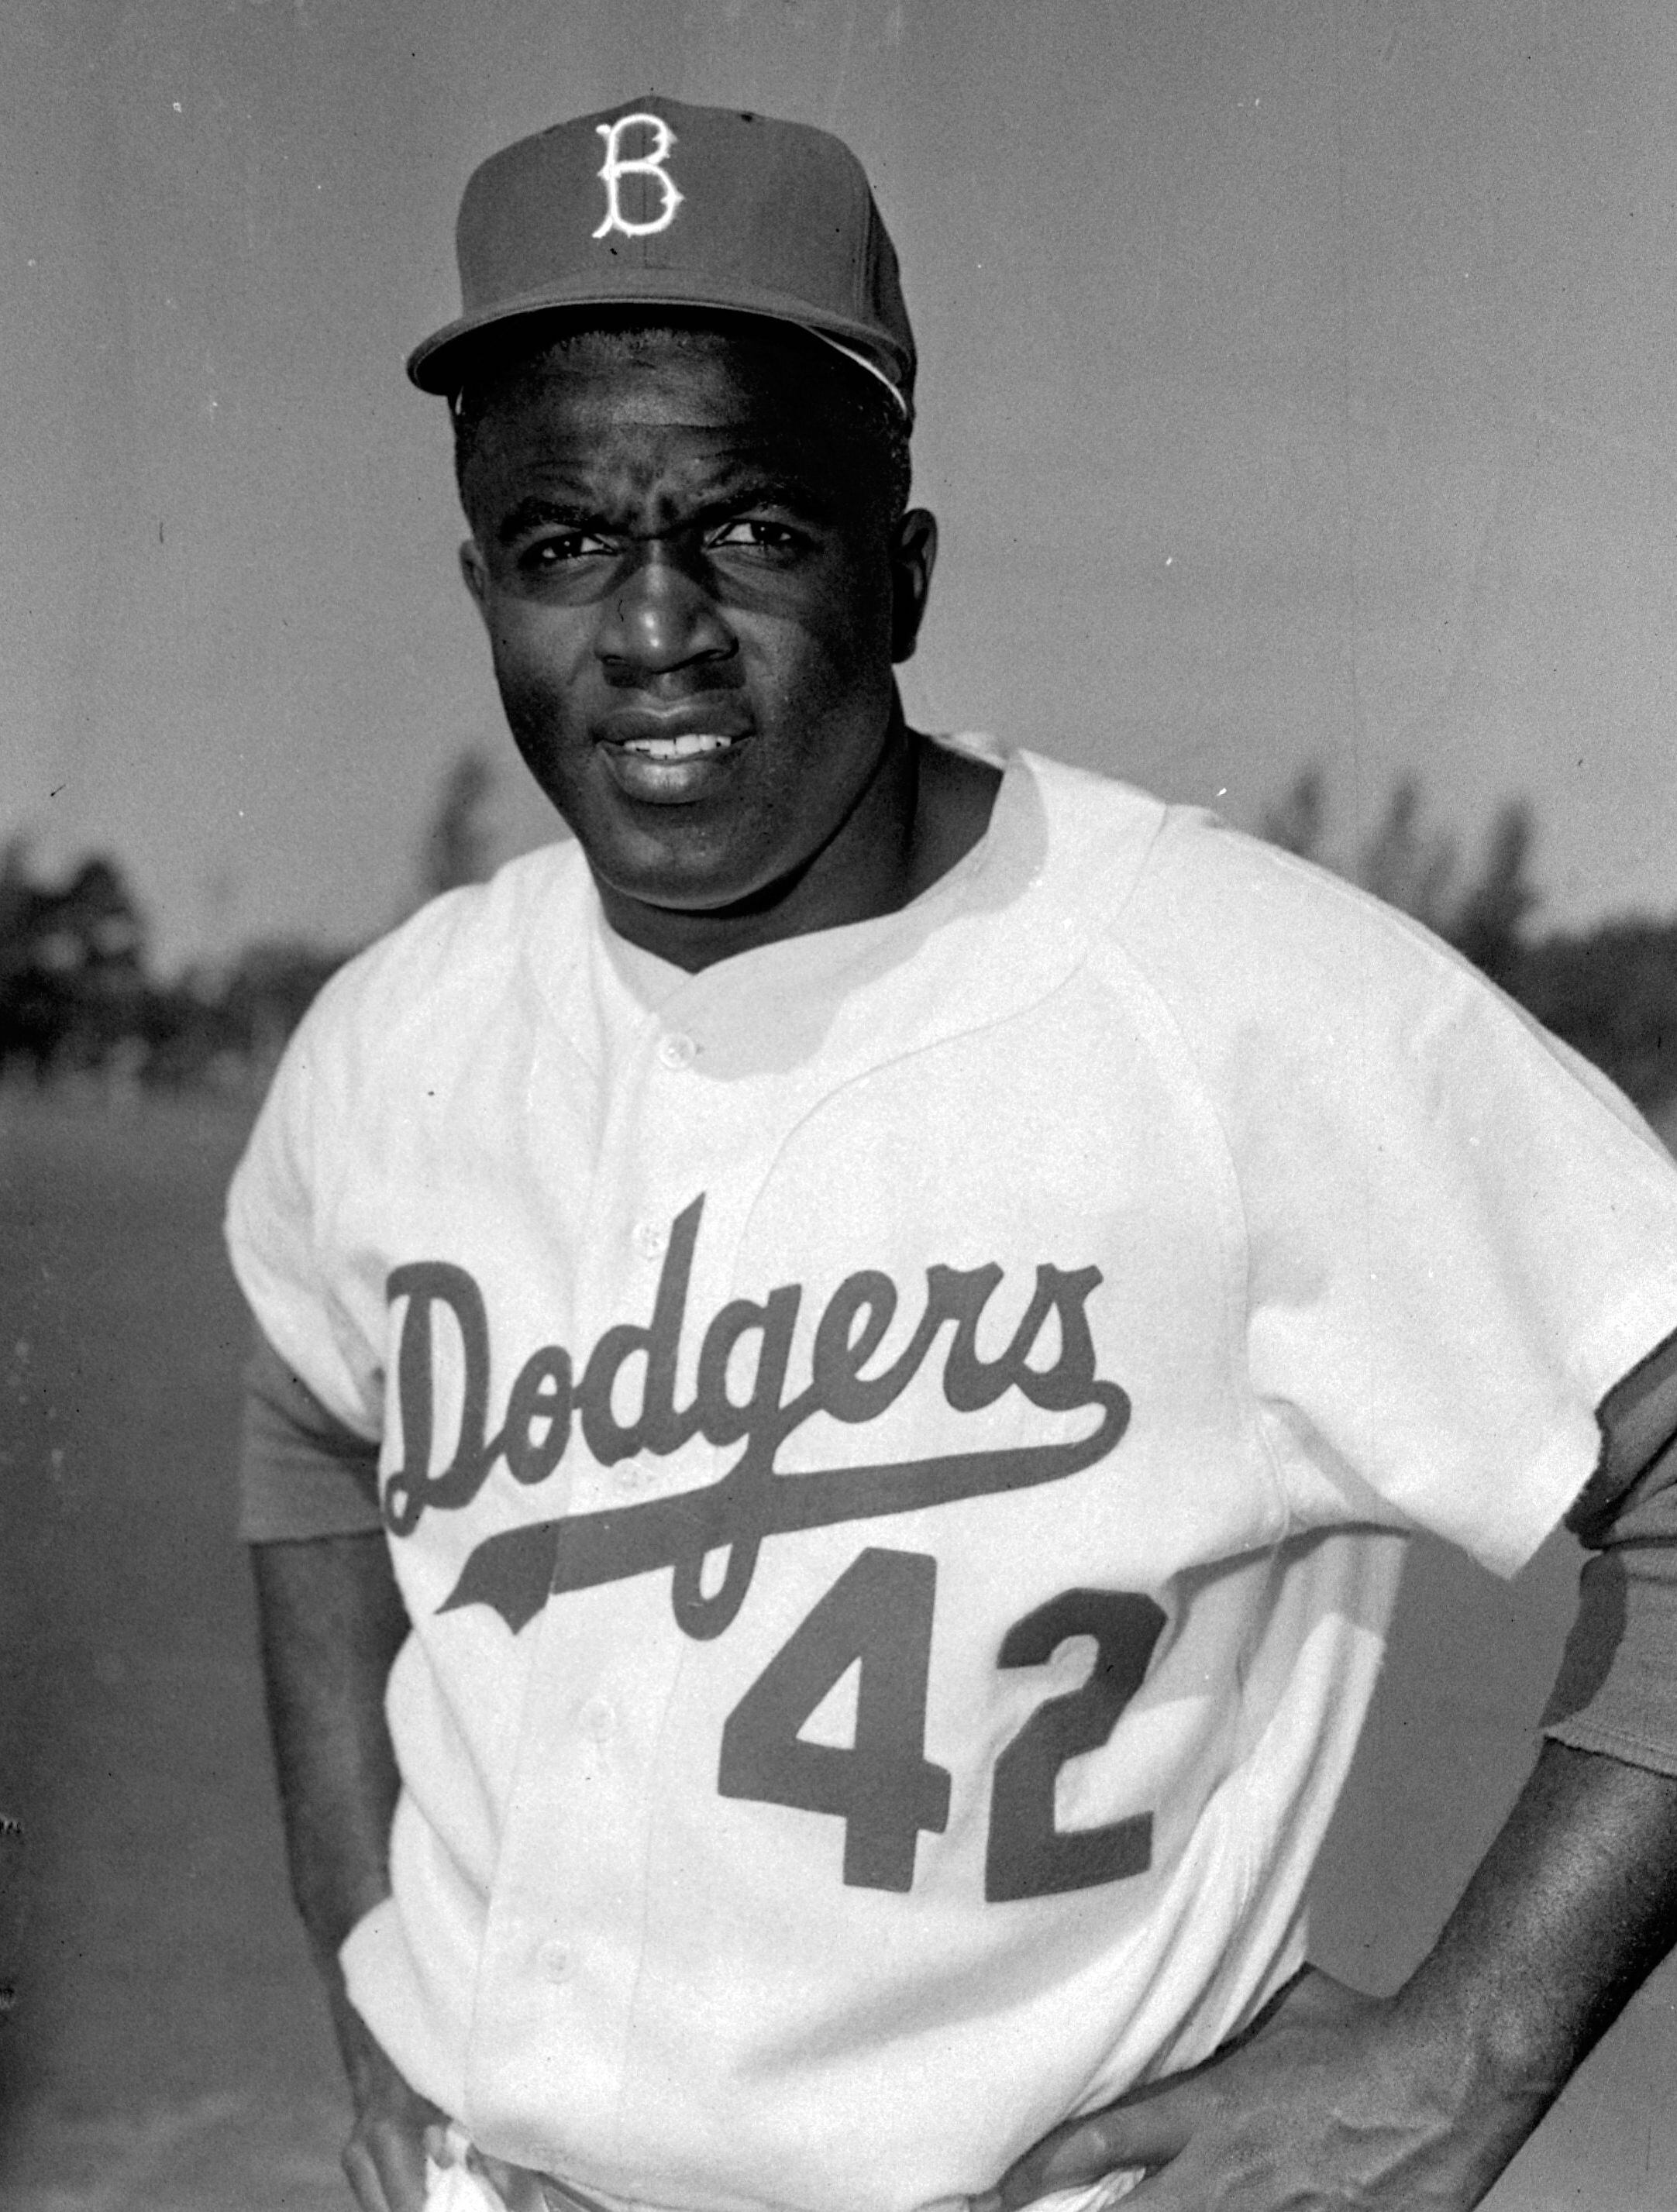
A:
<point x="1610" y="991"/>
<point x="78" y="996"/>
<point x="79" y="999"/>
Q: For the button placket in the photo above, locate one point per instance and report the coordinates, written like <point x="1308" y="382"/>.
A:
<point x="675" y="1052"/>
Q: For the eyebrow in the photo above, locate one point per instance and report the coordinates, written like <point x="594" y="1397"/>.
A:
<point x="535" y="510"/>
<point x="752" y="488"/>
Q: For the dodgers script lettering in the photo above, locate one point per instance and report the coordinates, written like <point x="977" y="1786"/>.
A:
<point x="516" y="1570"/>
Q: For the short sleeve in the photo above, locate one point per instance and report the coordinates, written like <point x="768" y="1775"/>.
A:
<point x="280" y="1218"/>
<point x="1456" y="1238"/>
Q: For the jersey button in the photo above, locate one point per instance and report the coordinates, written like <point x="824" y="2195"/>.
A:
<point x="598" y="1718"/>
<point x="651" y="1240"/>
<point x="678" y="1050"/>
<point x="554" y="1961"/>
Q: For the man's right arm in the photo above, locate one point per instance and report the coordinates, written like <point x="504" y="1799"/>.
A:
<point x="331" y="1622"/>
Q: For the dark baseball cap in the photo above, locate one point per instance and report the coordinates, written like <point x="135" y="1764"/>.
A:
<point x="657" y="203"/>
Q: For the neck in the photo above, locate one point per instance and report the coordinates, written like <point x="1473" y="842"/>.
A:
<point x="921" y="809"/>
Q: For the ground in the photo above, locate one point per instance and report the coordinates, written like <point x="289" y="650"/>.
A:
<point x="168" y="2052"/>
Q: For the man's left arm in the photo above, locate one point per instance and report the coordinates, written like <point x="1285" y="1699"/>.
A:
<point x="1416" y="2102"/>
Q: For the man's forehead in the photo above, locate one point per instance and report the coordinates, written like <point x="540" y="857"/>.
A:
<point x="727" y="357"/>
<point x="715" y="392"/>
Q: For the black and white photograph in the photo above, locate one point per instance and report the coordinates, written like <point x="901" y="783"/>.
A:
<point x="838" y="1106"/>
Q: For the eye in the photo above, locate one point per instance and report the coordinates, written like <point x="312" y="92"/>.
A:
<point x="751" y="533"/>
<point x="554" y="549"/>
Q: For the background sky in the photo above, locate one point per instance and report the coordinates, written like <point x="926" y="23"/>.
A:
<point x="1297" y="384"/>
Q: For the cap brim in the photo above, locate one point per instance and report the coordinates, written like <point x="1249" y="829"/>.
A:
<point x="438" y="363"/>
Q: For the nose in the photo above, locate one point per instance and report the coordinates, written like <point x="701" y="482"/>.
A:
<point x="658" y="617"/>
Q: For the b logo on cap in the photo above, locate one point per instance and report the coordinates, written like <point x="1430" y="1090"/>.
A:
<point x="643" y="165"/>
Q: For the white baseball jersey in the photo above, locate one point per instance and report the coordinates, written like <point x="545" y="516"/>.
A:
<point x="896" y="1450"/>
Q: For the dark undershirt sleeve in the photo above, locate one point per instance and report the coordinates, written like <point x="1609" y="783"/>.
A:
<point x="301" y="1472"/>
<point x="1617" y="1689"/>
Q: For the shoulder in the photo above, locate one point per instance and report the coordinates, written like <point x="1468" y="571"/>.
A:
<point x="1193" y="903"/>
<point x="1228" y="928"/>
<point x="417" y="1012"/>
<point x="437" y="978"/>
<point x="1269" y="971"/>
<point x="1291" y="988"/>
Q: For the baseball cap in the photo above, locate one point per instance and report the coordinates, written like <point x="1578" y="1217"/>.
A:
<point x="655" y="202"/>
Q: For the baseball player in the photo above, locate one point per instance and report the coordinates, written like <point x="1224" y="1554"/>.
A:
<point x="847" y="1359"/>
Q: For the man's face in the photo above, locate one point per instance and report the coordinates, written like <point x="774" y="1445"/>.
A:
<point x="694" y="599"/>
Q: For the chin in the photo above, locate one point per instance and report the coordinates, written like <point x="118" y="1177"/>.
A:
<point x="683" y="894"/>
<point x="695" y="885"/>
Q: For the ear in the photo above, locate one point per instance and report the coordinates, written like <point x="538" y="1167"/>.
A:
<point x="913" y="557"/>
<point x="474" y="572"/>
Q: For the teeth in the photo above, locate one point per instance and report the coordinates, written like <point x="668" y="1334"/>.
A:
<point x="681" y="748"/>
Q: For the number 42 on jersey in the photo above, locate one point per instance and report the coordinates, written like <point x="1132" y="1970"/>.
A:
<point x="878" y="1618"/>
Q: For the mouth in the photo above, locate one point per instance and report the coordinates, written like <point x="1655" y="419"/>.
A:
<point x="689" y="744"/>
<point x="671" y="760"/>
